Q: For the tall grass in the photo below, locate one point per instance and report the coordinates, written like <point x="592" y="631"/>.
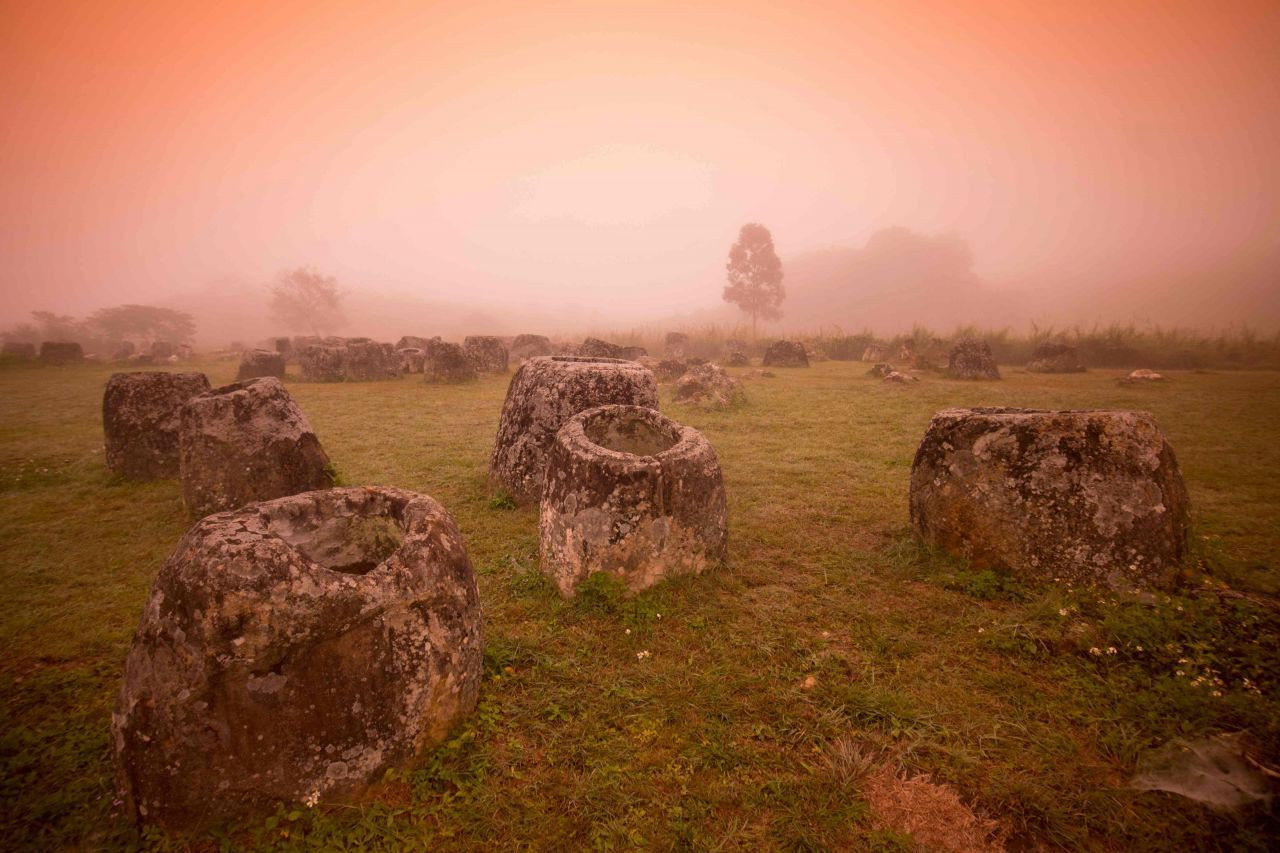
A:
<point x="1116" y="345"/>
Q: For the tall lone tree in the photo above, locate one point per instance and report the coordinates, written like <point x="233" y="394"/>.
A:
<point x="755" y="275"/>
<point x="303" y="299"/>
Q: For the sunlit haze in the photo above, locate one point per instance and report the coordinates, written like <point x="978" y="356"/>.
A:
<point x="589" y="164"/>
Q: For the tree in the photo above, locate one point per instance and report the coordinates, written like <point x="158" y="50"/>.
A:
<point x="755" y="275"/>
<point x="303" y="299"/>
<point x="146" y="322"/>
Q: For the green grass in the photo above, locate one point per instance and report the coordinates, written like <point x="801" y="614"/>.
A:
<point x="717" y="738"/>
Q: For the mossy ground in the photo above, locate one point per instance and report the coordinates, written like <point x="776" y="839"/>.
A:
<point x="745" y="709"/>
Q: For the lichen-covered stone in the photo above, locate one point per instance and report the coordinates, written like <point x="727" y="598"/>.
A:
<point x="322" y="363"/>
<point x="971" y="359"/>
<point x="676" y="345"/>
<point x="446" y="362"/>
<point x="369" y="361"/>
<point x="880" y="371"/>
<point x="736" y="353"/>
<point x="61" y="352"/>
<point x="528" y="346"/>
<point x="786" y="354"/>
<point x="260" y="362"/>
<point x="596" y="348"/>
<point x="415" y="341"/>
<point x="668" y="369"/>
<point x="487" y="352"/>
<point x="1089" y="497"/>
<point x="20" y="349"/>
<point x="247" y="442"/>
<point x="710" y="387"/>
<point x="297" y="649"/>
<point x="544" y="393"/>
<point x="1144" y="374"/>
<point x="141" y="414"/>
<point x="633" y="494"/>
<point x="1054" y="357"/>
<point x="411" y="359"/>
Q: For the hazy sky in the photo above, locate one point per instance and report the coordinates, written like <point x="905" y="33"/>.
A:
<point x="605" y="154"/>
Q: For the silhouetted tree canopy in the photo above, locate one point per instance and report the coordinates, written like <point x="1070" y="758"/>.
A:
<point x="146" y="322"/>
<point x="755" y="274"/>
<point x="302" y="299"/>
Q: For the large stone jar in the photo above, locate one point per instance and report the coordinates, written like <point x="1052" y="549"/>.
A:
<point x="631" y="493"/>
<point x="1085" y="497"/>
<point x="295" y="650"/>
<point x="140" y="418"/>
<point x="245" y="442"/>
<point x="544" y="393"/>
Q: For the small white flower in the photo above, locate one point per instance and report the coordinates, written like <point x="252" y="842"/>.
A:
<point x="312" y="799"/>
<point x="1179" y="673"/>
<point x="627" y="631"/>
<point x="642" y="655"/>
<point x="982" y="630"/>
<point x="1095" y="651"/>
<point x="1111" y="650"/>
<point x="1062" y="611"/>
<point x="1217" y="693"/>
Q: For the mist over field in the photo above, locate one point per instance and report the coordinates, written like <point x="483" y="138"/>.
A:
<point x="554" y="167"/>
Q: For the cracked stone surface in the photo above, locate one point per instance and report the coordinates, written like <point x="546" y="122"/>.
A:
<point x="246" y="442"/>
<point x="544" y="393"/>
<point x="141" y="414"/>
<point x="1088" y="497"/>
<point x="631" y="493"/>
<point x="296" y="648"/>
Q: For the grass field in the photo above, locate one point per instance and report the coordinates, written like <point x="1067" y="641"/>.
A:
<point x="835" y="686"/>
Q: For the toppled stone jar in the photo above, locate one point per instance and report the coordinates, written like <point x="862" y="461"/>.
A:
<point x="141" y="412"/>
<point x="245" y="442"/>
<point x="295" y="650"/>
<point x="631" y="493"/>
<point x="544" y="393"/>
<point x="1087" y="497"/>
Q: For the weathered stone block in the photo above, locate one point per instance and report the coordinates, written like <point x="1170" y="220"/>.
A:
<point x="247" y="442"/>
<point x="322" y="363"/>
<point x="710" y="387"/>
<point x="1087" y="497"/>
<point x="544" y="393"/>
<point x="631" y="493"/>
<point x="297" y="649"/>
<point x="141" y="413"/>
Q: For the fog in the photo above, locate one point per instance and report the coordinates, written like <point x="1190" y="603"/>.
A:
<point x="546" y="166"/>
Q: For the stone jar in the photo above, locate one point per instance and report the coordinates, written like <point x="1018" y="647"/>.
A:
<point x="260" y="362"/>
<point x="631" y="493"/>
<point x="544" y="393"/>
<point x="486" y="352"/>
<point x="1087" y="497"/>
<point x="972" y="359"/>
<point x="247" y="442"/>
<point x="141" y="413"/>
<point x="786" y="354"/>
<point x="447" y="363"/>
<point x="295" y="650"/>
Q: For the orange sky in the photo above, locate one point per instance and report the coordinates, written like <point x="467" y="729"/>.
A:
<point x="605" y="154"/>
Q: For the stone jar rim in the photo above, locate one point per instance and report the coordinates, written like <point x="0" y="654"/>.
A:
<point x="267" y="522"/>
<point x="1016" y="412"/>
<point x="685" y="439"/>
<point x="583" y="359"/>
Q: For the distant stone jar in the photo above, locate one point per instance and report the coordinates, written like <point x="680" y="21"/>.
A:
<point x="544" y="393"/>
<point x="20" y="349"/>
<point x="486" y="352"/>
<point x="786" y="354"/>
<point x="631" y="493"/>
<point x="1054" y="357"/>
<point x="444" y="362"/>
<point x="257" y="363"/>
<point x="296" y="650"/>
<point x="971" y="359"/>
<point x="322" y="362"/>
<point x="247" y="442"/>
<point x="61" y="352"/>
<point x="709" y="386"/>
<point x="1088" y="497"/>
<point x="528" y="346"/>
<point x="141" y="413"/>
<point x="369" y="361"/>
<point x="596" y="348"/>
